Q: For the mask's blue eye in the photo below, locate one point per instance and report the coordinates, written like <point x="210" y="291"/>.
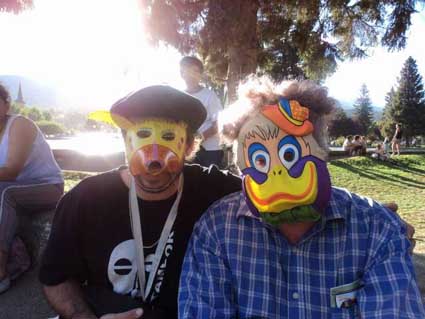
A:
<point x="289" y="151"/>
<point x="259" y="157"/>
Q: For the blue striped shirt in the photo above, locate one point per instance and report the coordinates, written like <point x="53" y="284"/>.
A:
<point x="236" y="266"/>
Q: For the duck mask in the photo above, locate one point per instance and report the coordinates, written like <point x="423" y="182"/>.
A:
<point x="155" y="150"/>
<point x="285" y="178"/>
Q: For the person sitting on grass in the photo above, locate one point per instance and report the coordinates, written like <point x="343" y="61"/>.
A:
<point x="414" y="142"/>
<point x="357" y="146"/>
<point x="29" y="176"/>
<point x="348" y="144"/>
<point x="379" y="153"/>
<point x="363" y="142"/>
<point x="290" y="245"/>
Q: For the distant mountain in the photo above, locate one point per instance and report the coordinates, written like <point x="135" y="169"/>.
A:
<point x="348" y="108"/>
<point x="377" y="112"/>
<point x="34" y="93"/>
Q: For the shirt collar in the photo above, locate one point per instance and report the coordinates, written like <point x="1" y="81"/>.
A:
<point x="243" y="209"/>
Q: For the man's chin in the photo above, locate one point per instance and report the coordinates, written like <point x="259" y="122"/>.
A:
<point x="155" y="186"/>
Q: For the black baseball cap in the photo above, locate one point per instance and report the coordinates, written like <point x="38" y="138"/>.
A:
<point x="161" y="101"/>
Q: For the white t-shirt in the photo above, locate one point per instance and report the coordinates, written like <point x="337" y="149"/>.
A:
<point x="213" y="106"/>
<point x="347" y="144"/>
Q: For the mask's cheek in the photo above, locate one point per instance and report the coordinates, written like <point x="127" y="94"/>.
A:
<point x="136" y="163"/>
<point x="173" y="162"/>
<point x="178" y="146"/>
<point x="130" y="147"/>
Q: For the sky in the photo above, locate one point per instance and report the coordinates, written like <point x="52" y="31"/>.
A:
<point x="94" y="52"/>
<point x="381" y="69"/>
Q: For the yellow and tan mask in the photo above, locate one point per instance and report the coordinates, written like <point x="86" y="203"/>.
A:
<point x="155" y="121"/>
<point x="155" y="146"/>
<point x="285" y="178"/>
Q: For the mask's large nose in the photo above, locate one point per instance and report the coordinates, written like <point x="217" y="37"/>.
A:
<point x="155" y="167"/>
<point x="153" y="159"/>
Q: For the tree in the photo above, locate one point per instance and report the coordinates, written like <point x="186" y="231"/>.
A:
<point x="387" y="122"/>
<point x="47" y="115"/>
<point x="341" y="124"/>
<point x="282" y="38"/>
<point x="15" y="6"/>
<point x="409" y="106"/>
<point x="16" y="108"/>
<point x="73" y="120"/>
<point x="50" y="128"/>
<point x="363" y="112"/>
<point x="33" y="113"/>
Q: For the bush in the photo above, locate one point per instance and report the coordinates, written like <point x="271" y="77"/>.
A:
<point x="51" y="128"/>
<point x="338" y="142"/>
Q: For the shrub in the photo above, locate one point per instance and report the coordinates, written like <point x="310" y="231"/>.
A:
<point x="50" y="128"/>
<point x="337" y="142"/>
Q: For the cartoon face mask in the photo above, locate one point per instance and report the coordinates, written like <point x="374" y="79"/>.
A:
<point x="155" y="147"/>
<point x="285" y="178"/>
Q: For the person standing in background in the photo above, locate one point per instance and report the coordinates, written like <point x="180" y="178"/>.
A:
<point x="397" y="139"/>
<point x="210" y="152"/>
<point x="386" y="145"/>
<point x="30" y="178"/>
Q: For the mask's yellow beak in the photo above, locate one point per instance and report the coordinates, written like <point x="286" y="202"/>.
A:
<point x="281" y="192"/>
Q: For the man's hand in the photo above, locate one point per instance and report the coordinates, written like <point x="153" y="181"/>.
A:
<point x="410" y="230"/>
<point x="131" y="314"/>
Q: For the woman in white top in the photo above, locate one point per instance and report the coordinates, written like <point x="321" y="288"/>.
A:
<point x="348" y="144"/>
<point x="29" y="176"/>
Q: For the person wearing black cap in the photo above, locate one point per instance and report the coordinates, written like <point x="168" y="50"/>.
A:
<point x="128" y="228"/>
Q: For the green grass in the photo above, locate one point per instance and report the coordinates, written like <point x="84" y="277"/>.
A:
<point x="72" y="178"/>
<point x="402" y="181"/>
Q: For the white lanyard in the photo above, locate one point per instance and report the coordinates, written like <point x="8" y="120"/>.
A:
<point x="138" y="238"/>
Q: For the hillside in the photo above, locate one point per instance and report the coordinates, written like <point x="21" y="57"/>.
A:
<point x="377" y="112"/>
<point x="34" y="93"/>
<point x="349" y="109"/>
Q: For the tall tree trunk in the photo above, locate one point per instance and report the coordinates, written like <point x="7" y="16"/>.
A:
<point x="243" y="50"/>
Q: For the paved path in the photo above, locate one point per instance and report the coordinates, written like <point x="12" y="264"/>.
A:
<point x="25" y="299"/>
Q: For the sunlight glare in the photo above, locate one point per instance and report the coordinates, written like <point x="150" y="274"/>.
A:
<point x="93" y="52"/>
<point x="90" y="143"/>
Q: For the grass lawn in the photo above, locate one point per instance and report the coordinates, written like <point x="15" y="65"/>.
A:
<point x="402" y="182"/>
<point x="73" y="177"/>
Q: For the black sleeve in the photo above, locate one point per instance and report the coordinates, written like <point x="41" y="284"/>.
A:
<point x="219" y="183"/>
<point x="62" y="259"/>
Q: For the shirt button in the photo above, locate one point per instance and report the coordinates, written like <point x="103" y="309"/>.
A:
<point x="295" y="295"/>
